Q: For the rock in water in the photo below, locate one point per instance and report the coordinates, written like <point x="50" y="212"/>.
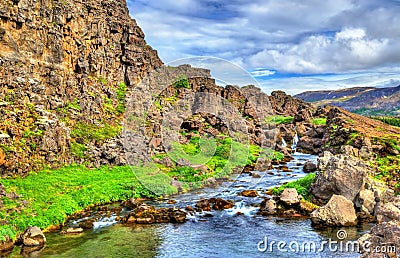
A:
<point x="290" y="197"/>
<point x="309" y="167"/>
<point x="32" y="236"/>
<point x="339" y="211"/>
<point x="249" y="193"/>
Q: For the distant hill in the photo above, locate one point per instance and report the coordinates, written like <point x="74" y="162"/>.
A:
<point x="367" y="101"/>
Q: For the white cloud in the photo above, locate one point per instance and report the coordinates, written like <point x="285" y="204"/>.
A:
<point x="262" y="73"/>
<point x="306" y="37"/>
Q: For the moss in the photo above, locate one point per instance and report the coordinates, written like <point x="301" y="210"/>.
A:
<point x="121" y="94"/>
<point x="84" y="133"/>
<point x="78" y="149"/>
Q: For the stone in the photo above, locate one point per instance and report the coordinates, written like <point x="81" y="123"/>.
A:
<point x="365" y="201"/>
<point x="309" y="167"/>
<point x="388" y="212"/>
<point x="221" y="204"/>
<point x="203" y="205"/>
<point x="249" y="193"/>
<point x="339" y="211"/>
<point x="132" y="203"/>
<point x="290" y="197"/>
<point x="32" y="236"/>
<point x="6" y="246"/>
<point x="268" y="207"/>
<point x="72" y="231"/>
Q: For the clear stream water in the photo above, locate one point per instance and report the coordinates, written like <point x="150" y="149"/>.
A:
<point x="225" y="234"/>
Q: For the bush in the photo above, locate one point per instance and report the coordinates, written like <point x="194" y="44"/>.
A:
<point x="182" y="82"/>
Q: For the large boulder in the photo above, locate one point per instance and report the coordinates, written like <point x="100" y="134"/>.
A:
<point x="268" y="207"/>
<point x="339" y="211"/>
<point x="32" y="236"/>
<point x="341" y="175"/>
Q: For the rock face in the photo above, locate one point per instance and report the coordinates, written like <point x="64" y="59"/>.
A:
<point x="386" y="234"/>
<point x="32" y="236"/>
<point x="63" y="60"/>
<point x="339" y="211"/>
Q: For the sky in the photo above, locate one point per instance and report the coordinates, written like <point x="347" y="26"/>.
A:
<point x="289" y="45"/>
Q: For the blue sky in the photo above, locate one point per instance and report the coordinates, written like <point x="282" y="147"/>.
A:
<point x="290" y="45"/>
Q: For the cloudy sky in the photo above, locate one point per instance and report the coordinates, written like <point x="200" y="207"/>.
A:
<point x="291" y="45"/>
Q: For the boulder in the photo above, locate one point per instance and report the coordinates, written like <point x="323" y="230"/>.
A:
<point x="203" y="205"/>
<point x="268" y="207"/>
<point x="146" y="214"/>
<point x="249" y="193"/>
<point x="132" y="203"/>
<point x="309" y="167"/>
<point x="341" y="175"/>
<point x="339" y="211"/>
<point x="32" y="236"/>
<point x="290" y="197"/>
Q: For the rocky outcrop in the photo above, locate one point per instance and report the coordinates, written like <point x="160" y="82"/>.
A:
<point x="213" y="203"/>
<point x="63" y="62"/>
<point x="386" y="234"/>
<point x="352" y="178"/>
<point x="339" y="211"/>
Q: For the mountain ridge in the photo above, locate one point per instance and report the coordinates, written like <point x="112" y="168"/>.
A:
<point x="369" y="101"/>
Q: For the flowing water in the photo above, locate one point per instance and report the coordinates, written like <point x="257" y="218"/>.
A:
<point x="236" y="232"/>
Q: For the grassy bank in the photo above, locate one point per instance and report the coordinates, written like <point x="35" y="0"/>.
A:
<point x="50" y="196"/>
<point x="302" y="186"/>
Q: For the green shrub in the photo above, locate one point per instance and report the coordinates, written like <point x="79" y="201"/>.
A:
<point x="121" y="94"/>
<point x="182" y="82"/>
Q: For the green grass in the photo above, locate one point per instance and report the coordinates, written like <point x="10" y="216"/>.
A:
<point x="302" y="186"/>
<point x="280" y="119"/>
<point x="53" y="195"/>
<point x="319" y="121"/>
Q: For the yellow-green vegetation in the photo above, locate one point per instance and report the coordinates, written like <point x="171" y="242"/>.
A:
<point x="319" y="121"/>
<point x="278" y="119"/>
<point x="78" y="149"/>
<point x="53" y="195"/>
<point x="302" y="186"/>
<point x="121" y="94"/>
<point x="352" y="137"/>
<point x="85" y="133"/>
<point x="220" y="156"/>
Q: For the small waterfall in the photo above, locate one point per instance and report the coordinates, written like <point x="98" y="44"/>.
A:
<point x="295" y="141"/>
<point x="284" y="144"/>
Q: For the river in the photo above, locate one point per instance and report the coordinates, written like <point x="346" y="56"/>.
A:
<point x="215" y="234"/>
